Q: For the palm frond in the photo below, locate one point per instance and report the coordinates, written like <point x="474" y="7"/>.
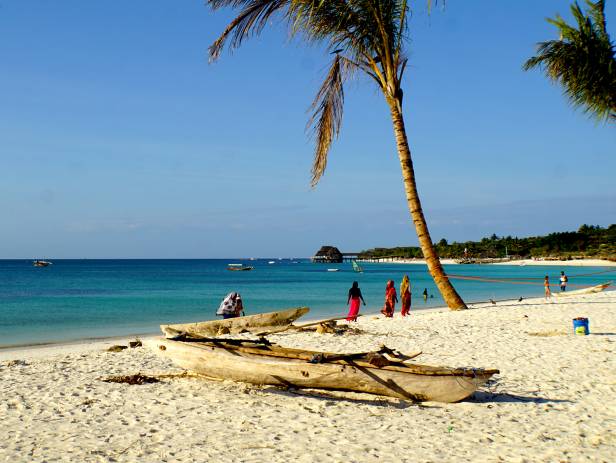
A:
<point x="582" y="61"/>
<point x="326" y="117"/>
<point x="251" y="21"/>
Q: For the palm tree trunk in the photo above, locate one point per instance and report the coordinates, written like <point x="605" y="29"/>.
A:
<point x="450" y="295"/>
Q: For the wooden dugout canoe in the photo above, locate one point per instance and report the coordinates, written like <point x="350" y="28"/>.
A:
<point x="279" y="366"/>
<point x="578" y="292"/>
<point x="258" y="322"/>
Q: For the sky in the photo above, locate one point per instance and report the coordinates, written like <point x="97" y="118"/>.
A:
<point x="119" y="140"/>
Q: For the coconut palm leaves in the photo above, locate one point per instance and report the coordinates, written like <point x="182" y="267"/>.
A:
<point x="363" y="35"/>
<point x="582" y="61"/>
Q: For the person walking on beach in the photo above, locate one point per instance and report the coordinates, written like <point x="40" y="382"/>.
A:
<point x="546" y="284"/>
<point x="405" y="295"/>
<point x="425" y="294"/>
<point x="390" y="299"/>
<point x="353" y="300"/>
<point x="231" y="306"/>
<point x="563" y="281"/>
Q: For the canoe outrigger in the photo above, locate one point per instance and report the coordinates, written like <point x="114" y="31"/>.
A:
<point x="261" y="362"/>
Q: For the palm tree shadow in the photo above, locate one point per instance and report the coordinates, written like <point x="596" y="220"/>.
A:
<point x="505" y="397"/>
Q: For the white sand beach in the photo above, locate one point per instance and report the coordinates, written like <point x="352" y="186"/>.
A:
<point x="554" y="400"/>
<point x="560" y="263"/>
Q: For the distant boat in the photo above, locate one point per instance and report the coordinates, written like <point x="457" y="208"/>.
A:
<point x="272" y="262"/>
<point x="577" y="292"/>
<point x="333" y="269"/>
<point x="41" y="263"/>
<point x="357" y="267"/>
<point x="239" y="268"/>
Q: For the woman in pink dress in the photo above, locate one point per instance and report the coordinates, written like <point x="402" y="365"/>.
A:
<point x="353" y="300"/>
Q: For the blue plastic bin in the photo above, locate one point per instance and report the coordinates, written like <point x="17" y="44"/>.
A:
<point x="580" y="326"/>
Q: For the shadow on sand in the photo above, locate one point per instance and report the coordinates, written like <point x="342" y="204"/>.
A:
<point x="504" y="397"/>
<point x="331" y="396"/>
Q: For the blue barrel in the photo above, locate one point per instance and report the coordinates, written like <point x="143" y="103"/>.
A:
<point x="580" y="326"/>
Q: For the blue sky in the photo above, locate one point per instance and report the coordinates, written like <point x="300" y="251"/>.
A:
<point x="118" y="139"/>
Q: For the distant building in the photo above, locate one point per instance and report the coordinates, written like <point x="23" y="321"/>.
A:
<point x="328" y="254"/>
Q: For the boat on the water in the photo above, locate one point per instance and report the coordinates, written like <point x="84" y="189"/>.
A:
<point x="356" y="267"/>
<point x="333" y="269"/>
<point x="578" y="292"/>
<point x="251" y="323"/>
<point x="261" y="362"/>
<point x="239" y="267"/>
<point x="41" y="263"/>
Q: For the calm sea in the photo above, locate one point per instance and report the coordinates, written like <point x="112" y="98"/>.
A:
<point x="78" y="299"/>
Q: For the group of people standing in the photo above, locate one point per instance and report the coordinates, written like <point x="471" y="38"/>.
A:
<point x="355" y="298"/>
<point x="563" y="280"/>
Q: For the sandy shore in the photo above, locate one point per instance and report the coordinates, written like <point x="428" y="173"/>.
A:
<point x="554" y="401"/>
<point x="560" y="263"/>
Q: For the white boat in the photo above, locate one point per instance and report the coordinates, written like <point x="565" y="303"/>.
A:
<point x="235" y="265"/>
<point x="333" y="269"/>
<point x="578" y="292"/>
<point x="272" y="262"/>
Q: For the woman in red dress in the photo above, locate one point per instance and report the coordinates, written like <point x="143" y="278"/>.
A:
<point x="390" y="299"/>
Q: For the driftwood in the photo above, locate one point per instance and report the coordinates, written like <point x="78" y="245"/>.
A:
<point x="131" y="379"/>
<point x="250" y="323"/>
<point x="311" y="325"/>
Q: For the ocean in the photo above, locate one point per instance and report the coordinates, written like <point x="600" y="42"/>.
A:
<point x="80" y="299"/>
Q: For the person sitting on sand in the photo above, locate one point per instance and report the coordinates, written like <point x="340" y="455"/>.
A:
<point x="231" y="306"/>
<point x="390" y="299"/>
<point x="354" y="297"/>
<point x="405" y="295"/>
<point x="563" y="281"/>
<point x="546" y="284"/>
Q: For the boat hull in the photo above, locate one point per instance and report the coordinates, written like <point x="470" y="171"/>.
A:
<point x="420" y="383"/>
<point x="252" y="323"/>
<point x="579" y="292"/>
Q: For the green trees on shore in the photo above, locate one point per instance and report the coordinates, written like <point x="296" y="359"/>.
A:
<point x="588" y="241"/>
<point x="365" y="37"/>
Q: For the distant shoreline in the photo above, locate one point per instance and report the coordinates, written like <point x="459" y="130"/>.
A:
<point x="518" y="262"/>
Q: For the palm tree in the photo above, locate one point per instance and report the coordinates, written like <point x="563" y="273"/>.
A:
<point x="582" y="61"/>
<point x="362" y="35"/>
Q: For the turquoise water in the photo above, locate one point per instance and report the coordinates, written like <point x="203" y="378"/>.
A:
<point x="78" y="299"/>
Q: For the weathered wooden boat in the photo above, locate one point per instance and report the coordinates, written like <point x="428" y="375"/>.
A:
<point x="257" y="323"/>
<point x="578" y="292"/>
<point x="260" y="362"/>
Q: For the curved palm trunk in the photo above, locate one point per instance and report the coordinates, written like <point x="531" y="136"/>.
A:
<point x="450" y="295"/>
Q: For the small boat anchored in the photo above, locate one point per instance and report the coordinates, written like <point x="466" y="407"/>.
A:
<point x="41" y="263"/>
<point x="239" y="267"/>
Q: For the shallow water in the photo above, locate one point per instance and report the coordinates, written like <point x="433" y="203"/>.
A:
<point x="77" y="299"/>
